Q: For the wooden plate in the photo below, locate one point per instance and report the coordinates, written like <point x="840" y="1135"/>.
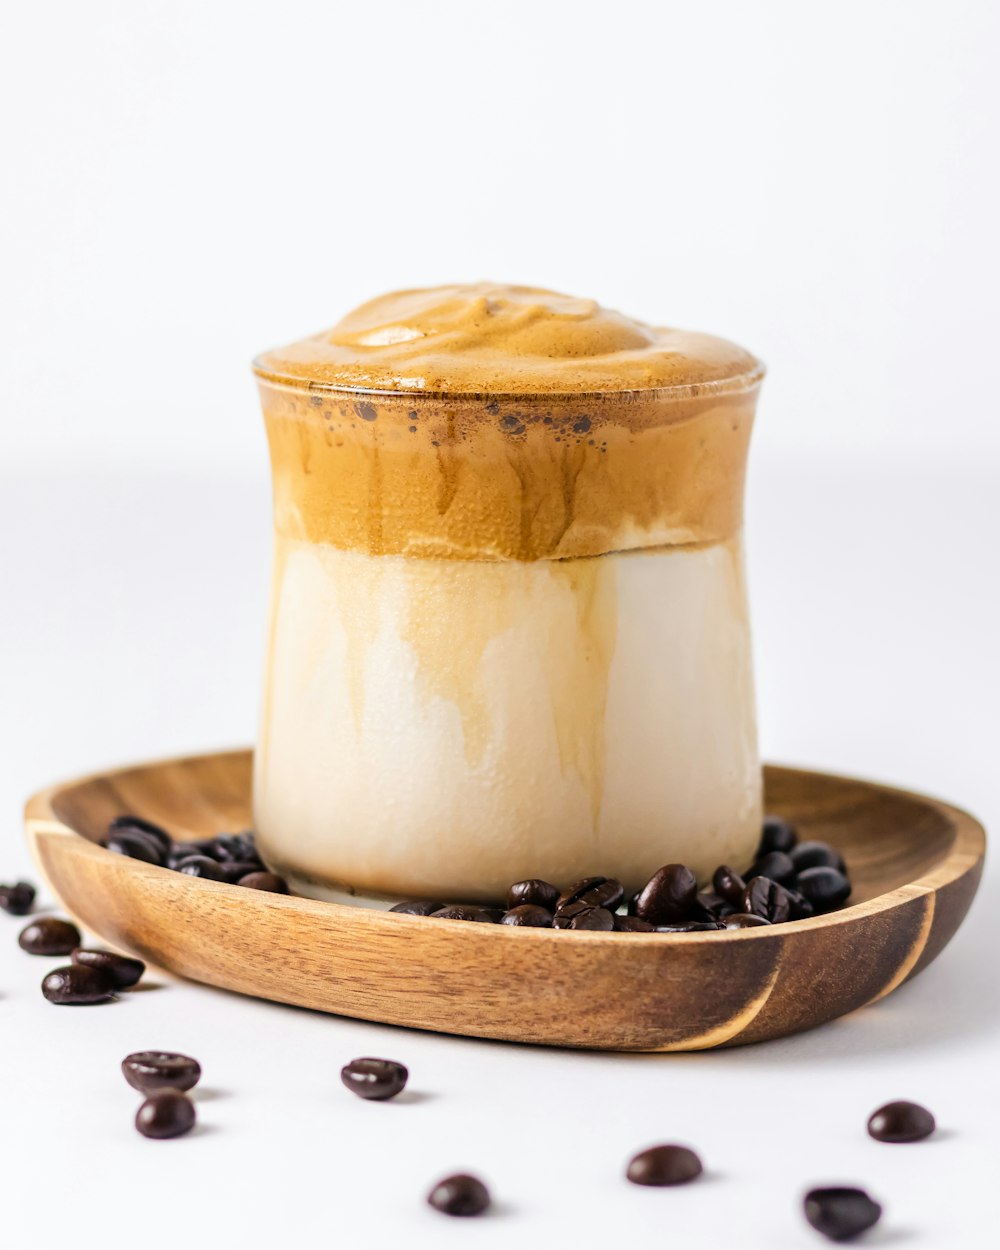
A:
<point x="915" y="863"/>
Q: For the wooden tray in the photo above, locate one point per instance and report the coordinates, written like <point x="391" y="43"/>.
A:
<point x="915" y="863"/>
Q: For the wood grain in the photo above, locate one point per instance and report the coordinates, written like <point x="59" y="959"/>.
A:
<point x="915" y="863"/>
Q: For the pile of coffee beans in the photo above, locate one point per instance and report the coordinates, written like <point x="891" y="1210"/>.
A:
<point x="164" y="1077"/>
<point x="788" y="880"/>
<point x="228" y="857"/>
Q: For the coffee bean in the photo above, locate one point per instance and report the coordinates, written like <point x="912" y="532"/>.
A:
<point x="596" y="891"/>
<point x="632" y="924"/>
<point x="233" y="870"/>
<point x="464" y="911"/>
<point x="669" y="896"/>
<point x="766" y="898"/>
<point x="416" y="908"/>
<point x="664" y="1165"/>
<point x="49" y="936"/>
<point x="123" y="971"/>
<point x="776" y="835"/>
<point x="530" y="915"/>
<point x="776" y="866"/>
<point x="692" y="926"/>
<point x="744" y="920"/>
<point x="374" y="1079"/>
<point x="148" y="1070"/>
<point x="136" y="824"/>
<point x="202" y="847"/>
<point x="166" y="1113"/>
<point x="535" y="892"/>
<point x="711" y="906"/>
<point x="137" y="845"/>
<point x="78" y="985"/>
<point x="580" y="915"/>
<point x="200" y="866"/>
<point x="728" y="884"/>
<point x="816" y="855"/>
<point x="901" y="1122"/>
<point x="841" y="1213"/>
<point x="267" y="881"/>
<point x="825" y="888"/>
<point x="802" y="909"/>
<point x="460" y="1195"/>
<point x="234" y="846"/>
<point x="17" y="899"/>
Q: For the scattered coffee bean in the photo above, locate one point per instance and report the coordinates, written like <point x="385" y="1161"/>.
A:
<point x="664" y="1165"/>
<point x="776" y="835"/>
<point x="49" y="936"/>
<point x="744" y="920"/>
<point x="17" y="899"/>
<point x="148" y="1070"/>
<point x="267" y="881"/>
<point x="816" y="855"/>
<point x="136" y="824"/>
<point x="465" y="911"/>
<point x="580" y="915"/>
<point x="460" y="1195"/>
<point x="728" y="884"/>
<point x="841" y="1213"/>
<point x="165" y="1113"/>
<point x="632" y="924"/>
<point x="692" y="926"/>
<point x="766" y="898"/>
<point x="137" y="845"/>
<point x="669" y="896"/>
<point x="901" y="1122"/>
<point x="200" y="866"/>
<point x="374" y="1079"/>
<point x="416" y="908"/>
<point x="123" y="971"/>
<point x="535" y="892"/>
<point x="775" y="865"/>
<point x="530" y="915"/>
<point x="77" y="985"/>
<point x="824" y="888"/>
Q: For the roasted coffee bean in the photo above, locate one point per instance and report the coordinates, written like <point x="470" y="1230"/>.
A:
<point x="664" y="1165"/>
<point x="841" y="1213"/>
<point x="711" y="906"/>
<point x="233" y="870"/>
<point x="17" y="899"/>
<point x="123" y="971"/>
<point x="824" y="888"/>
<point x="460" y="1195"/>
<point x="692" y="926"/>
<point x="165" y="1113"/>
<point x="597" y="891"/>
<point x="901" y="1122"/>
<point x="136" y="824"/>
<point x="580" y="915"/>
<point x="232" y="846"/>
<point x="77" y="985"/>
<point x="776" y="866"/>
<point x="802" y="909"/>
<point x="766" y="898"/>
<point x="535" y="892"/>
<point x="816" y="855"/>
<point x="669" y="896"/>
<point x="776" y="835"/>
<point x="149" y="1070"/>
<point x="632" y="924"/>
<point x="416" y="908"/>
<point x="728" y="884"/>
<point x="49" y="936"/>
<point x="270" y="882"/>
<point x="374" y="1079"/>
<point x="530" y="915"/>
<point x="137" y="846"/>
<point x="744" y="920"/>
<point x="466" y="911"/>
<point x="200" y="866"/>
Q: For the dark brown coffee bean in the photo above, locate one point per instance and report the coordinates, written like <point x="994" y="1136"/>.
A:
<point x="692" y="926"/>
<point x="123" y="971"/>
<point x="802" y="909"/>
<point x="841" y="1213"/>
<point x="593" y="890"/>
<point x="17" y="899"/>
<point x="776" y="866"/>
<point x="137" y="846"/>
<point x="632" y="924"/>
<point x="233" y="870"/>
<point x="766" y="898"/>
<point x="580" y="915"/>
<point x="266" y="881"/>
<point x="744" y="920"/>
<point x="200" y="866"/>
<point x="728" y="884"/>
<point x="711" y="906"/>
<point x="466" y="911"/>
<point x="136" y="824"/>
<point x="534" y="892"/>
<point x="460" y="1195"/>
<point x="180" y="851"/>
<point x="530" y="915"/>
<point x="165" y="1113"/>
<point x="776" y="835"/>
<point x="825" y="888"/>
<point x="664" y="1165"/>
<point x="234" y="846"/>
<point x="901" y="1122"/>
<point x="416" y="908"/>
<point x="77" y="985"/>
<point x="669" y="896"/>
<point x="816" y="855"/>
<point x="374" y="1079"/>
<point x="148" y="1070"/>
<point x="49" y="936"/>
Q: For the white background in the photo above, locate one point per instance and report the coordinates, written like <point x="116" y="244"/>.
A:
<point x="184" y="184"/>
